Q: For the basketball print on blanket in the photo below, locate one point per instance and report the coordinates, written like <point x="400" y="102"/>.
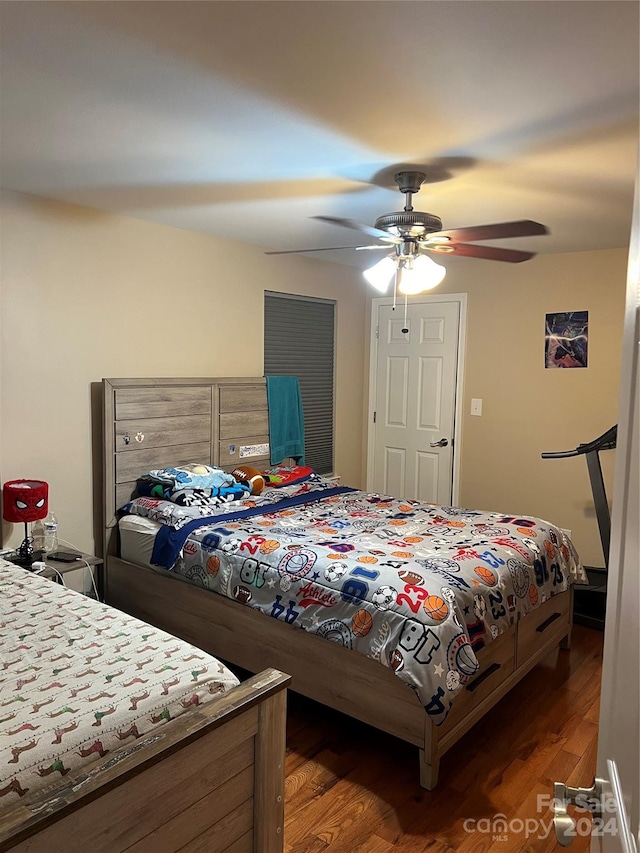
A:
<point x="361" y="623"/>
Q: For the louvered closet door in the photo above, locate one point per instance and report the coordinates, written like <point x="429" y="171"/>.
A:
<point x="415" y="401"/>
<point x="299" y="341"/>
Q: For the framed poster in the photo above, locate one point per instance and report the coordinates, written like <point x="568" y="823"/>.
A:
<point x="566" y="337"/>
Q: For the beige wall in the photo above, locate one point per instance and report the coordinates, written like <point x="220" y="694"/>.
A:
<point x="87" y="295"/>
<point x="528" y="409"/>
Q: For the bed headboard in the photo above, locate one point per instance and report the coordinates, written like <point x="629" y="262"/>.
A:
<point x="153" y="423"/>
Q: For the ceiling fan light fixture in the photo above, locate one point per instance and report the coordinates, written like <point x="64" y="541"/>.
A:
<point x="381" y="274"/>
<point x="422" y="274"/>
<point x="411" y="231"/>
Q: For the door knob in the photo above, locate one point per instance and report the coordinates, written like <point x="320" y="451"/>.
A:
<point x="603" y="798"/>
<point x="564" y="796"/>
<point x="442" y="443"/>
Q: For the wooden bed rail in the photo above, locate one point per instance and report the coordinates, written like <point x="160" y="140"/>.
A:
<point x="149" y="795"/>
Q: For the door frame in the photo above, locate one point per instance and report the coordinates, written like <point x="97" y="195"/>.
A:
<point x="376" y="304"/>
<point x="618" y="719"/>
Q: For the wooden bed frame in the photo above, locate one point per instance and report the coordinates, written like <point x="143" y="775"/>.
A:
<point x="211" y="780"/>
<point x="209" y="420"/>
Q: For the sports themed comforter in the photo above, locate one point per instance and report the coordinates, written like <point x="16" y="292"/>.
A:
<point x="79" y="679"/>
<point x="419" y="588"/>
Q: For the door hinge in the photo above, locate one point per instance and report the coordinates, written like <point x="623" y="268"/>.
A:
<point x="377" y="332"/>
<point x="374" y="417"/>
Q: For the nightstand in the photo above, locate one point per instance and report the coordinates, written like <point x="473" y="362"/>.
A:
<point x="62" y="568"/>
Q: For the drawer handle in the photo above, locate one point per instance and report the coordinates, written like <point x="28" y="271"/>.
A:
<point x="544" y="625"/>
<point x="478" y="681"/>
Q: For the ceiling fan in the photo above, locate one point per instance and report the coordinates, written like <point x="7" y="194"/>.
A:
<point x="411" y="234"/>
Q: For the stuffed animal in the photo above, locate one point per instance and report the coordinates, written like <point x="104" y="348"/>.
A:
<point x="251" y="477"/>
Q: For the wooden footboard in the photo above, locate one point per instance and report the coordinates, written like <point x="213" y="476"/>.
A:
<point x="329" y="673"/>
<point x="210" y="781"/>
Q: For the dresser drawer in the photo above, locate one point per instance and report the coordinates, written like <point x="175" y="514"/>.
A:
<point x="546" y="626"/>
<point x="497" y="661"/>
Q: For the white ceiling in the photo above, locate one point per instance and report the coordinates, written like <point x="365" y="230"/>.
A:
<point x="243" y="119"/>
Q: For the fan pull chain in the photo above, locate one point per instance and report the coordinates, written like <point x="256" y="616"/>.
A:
<point x="395" y="288"/>
<point x="405" y="328"/>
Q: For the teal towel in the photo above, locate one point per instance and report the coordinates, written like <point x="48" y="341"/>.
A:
<point x="286" y="418"/>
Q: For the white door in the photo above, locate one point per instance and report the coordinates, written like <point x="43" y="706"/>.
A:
<point x="619" y="733"/>
<point x="414" y="399"/>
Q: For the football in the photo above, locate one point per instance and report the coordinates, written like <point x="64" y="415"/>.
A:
<point x="396" y="661"/>
<point x="242" y="594"/>
<point x="410" y="577"/>
<point x="249" y="476"/>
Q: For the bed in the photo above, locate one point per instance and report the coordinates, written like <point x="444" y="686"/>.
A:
<point x="459" y="632"/>
<point x="104" y="717"/>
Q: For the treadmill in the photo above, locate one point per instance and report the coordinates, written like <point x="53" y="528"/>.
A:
<point x="590" y="601"/>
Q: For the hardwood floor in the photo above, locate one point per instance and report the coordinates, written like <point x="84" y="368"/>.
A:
<point x="353" y="789"/>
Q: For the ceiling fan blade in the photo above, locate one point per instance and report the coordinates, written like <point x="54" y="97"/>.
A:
<point x="521" y="228"/>
<point x="489" y="253"/>
<point x="325" y="249"/>
<point x="358" y="226"/>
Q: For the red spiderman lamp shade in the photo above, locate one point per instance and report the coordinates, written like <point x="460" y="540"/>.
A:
<point x="24" y="501"/>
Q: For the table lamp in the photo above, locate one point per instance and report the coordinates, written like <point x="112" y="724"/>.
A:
<point x="25" y="501"/>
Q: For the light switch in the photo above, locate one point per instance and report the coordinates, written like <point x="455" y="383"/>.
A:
<point x="476" y="406"/>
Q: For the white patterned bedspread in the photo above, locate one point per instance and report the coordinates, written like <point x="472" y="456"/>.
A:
<point x="79" y="679"/>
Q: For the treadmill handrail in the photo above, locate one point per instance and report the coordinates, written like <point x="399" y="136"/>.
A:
<point x="606" y="441"/>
